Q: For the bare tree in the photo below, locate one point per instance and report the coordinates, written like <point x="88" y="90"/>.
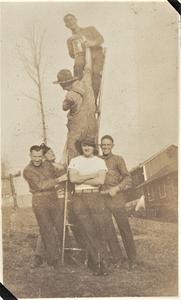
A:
<point x="31" y="55"/>
<point x="4" y="167"/>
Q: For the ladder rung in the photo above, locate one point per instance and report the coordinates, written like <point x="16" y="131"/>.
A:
<point x="70" y="225"/>
<point x="75" y="249"/>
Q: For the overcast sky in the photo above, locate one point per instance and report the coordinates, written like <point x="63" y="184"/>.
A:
<point x="140" y="91"/>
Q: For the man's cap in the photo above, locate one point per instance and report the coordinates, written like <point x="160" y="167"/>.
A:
<point x="64" y="77"/>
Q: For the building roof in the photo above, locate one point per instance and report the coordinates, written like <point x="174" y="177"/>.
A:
<point x="161" y="173"/>
<point x="153" y="156"/>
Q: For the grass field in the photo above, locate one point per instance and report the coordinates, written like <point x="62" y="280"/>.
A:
<point x="156" y="274"/>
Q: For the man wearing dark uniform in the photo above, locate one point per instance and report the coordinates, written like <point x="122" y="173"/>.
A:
<point x="42" y="178"/>
<point x="82" y="38"/>
<point x="117" y="181"/>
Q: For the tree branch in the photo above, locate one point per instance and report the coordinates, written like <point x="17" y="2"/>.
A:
<point x="30" y="97"/>
<point x="32" y="59"/>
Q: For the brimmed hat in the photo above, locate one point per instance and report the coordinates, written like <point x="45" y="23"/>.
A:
<point x="64" y="77"/>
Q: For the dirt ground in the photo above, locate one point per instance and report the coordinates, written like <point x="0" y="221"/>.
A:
<point x="156" y="274"/>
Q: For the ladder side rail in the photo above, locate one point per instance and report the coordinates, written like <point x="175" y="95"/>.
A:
<point x="99" y="103"/>
<point x="65" y="214"/>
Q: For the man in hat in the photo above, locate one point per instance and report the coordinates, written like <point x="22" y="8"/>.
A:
<point x="43" y="179"/>
<point x="77" y="43"/>
<point x="117" y="182"/>
<point x="80" y="104"/>
<point x="87" y="172"/>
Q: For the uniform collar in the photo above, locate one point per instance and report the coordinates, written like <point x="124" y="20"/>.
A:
<point x="107" y="156"/>
<point x="32" y="165"/>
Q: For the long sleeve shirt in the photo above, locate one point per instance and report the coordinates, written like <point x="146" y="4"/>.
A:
<point x="117" y="174"/>
<point x="81" y="92"/>
<point x="80" y="104"/>
<point x="41" y="178"/>
<point x="91" y="34"/>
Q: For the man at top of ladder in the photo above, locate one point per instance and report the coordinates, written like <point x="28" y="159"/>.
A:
<point x="77" y="43"/>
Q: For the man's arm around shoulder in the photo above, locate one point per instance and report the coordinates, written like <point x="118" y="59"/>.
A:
<point x="36" y="182"/>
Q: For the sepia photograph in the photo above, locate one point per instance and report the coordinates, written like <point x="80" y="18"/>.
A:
<point x="89" y="149"/>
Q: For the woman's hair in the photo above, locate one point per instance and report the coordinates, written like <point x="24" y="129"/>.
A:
<point x="78" y="146"/>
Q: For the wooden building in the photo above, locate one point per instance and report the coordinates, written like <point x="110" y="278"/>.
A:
<point x="157" y="179"/>
<point x="137" y="179"/>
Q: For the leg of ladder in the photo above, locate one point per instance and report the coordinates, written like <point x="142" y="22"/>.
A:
<point x="64" y="224"/>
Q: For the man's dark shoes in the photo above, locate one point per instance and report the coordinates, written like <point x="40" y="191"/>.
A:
<point x="100" y="270"/>
<point x="56" y="265"/>
<point x="90" y="263"/>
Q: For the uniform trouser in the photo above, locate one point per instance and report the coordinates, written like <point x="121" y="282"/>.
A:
<point x="111" y="237"/>
<point x="97" y="67"/>
<point x="116" y="206"/>
<point x="49" y="214"/>
<point x="40" y="249"/>
<point x="72" y="137"/>
<point x="89" y="210"/>
<point x="76" y="228"/>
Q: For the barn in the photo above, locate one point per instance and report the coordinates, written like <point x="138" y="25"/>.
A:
<point x="157" y="179"/>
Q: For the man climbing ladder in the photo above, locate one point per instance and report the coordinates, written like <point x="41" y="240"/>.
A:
<point x="80" y="103"/>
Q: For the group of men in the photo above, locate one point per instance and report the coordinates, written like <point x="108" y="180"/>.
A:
<point x="97" y="183"/>
<point x="98" y="195"/>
